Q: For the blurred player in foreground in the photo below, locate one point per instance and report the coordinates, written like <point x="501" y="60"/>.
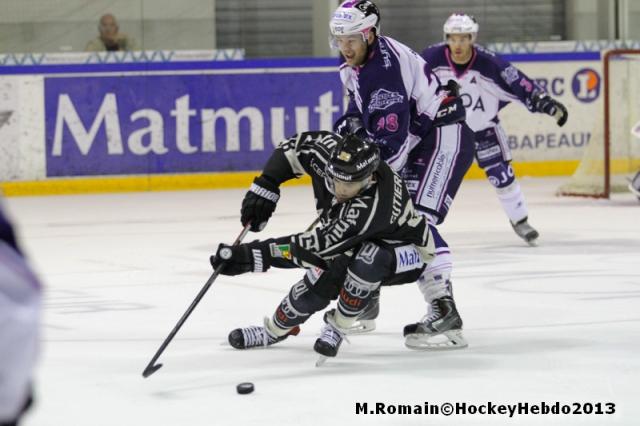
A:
<point x="20" y="298"/>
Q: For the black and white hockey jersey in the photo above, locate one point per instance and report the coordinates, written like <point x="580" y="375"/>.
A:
<point x="383" y="211"/>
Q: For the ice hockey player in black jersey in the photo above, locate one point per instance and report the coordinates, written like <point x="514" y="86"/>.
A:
<point x="369" y="235"/>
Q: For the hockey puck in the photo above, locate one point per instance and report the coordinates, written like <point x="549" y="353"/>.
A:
<point x="245" y="388"/>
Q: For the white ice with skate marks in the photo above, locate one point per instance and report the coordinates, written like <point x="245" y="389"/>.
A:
<point x="558" y="322"/>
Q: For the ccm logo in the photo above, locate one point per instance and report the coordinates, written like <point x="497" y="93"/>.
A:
<point x="448" y="110"/>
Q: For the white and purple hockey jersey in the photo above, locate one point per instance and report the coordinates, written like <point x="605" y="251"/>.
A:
<point x="488" y="83"/>
<point x="396" y="95"/>
<point x="20" y="298"/>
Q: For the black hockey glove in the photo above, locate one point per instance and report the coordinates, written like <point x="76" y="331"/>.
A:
<point x="259" y="203"/>
<point x="241" y="259"/>
<point x="545" y="103"/>
<point x="451" y="109"/>
<point x="452" y="88"/>
<point x="351" y="126"/>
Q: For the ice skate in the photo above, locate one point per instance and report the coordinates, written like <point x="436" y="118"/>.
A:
<point x="257" y="336"/>
<point x="366" y="321"/>
<point x="526" y="231"/>
<point x="328" y="344"/>
<point x="440" y="329"/>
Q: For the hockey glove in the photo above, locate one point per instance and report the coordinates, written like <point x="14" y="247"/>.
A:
<point x="351" y="126"/>
<point x="452" y="88"/>
<point x="259" y="203"/>
<point x="550" y="106"/>
<point x="240" y="259"/>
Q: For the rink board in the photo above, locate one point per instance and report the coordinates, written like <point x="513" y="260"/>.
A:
<point x="157" y="126"/>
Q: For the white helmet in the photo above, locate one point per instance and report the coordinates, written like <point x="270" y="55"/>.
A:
<point x="459" y="23"/>
<point x="355" y="17"/>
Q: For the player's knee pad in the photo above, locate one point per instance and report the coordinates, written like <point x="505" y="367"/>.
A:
<point x="366" y="271"/>
<point x="500" y="174"/>
<point x="373" y="262"/>
<point x="298" y="306"/>
<point x="355" y="294"/>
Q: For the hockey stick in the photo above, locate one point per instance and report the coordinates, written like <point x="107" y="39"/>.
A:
<point x="152" y="367"/>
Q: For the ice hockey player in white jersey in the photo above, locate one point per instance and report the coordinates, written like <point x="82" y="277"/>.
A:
<point x="20" y="295"/>
<point x="418" y="121"/>
<point x="488" y="83"/>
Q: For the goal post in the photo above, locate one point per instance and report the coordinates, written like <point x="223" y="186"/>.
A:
<point x="613" y="152"/>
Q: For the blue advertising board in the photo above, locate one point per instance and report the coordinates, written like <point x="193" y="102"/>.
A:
<point x="182" y="122"/>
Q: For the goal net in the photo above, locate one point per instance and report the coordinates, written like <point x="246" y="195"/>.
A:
<point x="613" y="153"/>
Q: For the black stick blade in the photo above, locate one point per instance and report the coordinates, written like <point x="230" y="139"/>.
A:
<point x="150" y="370"/>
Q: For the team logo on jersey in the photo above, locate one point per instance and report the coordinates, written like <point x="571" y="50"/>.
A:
<point x="510" y="74"/>
<point x="586" y="85"/>
<point x="382" y="99"/>
<point x="280" y="251"/>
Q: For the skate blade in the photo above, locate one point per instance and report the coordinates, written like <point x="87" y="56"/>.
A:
<point x="448" y="340"/>
<point x="321" y="360"/>
<point x="532" y="243"/>
<point x="362" y="326"/>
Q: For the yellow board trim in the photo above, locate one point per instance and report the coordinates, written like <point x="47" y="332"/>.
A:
<point x="175" y="182"/>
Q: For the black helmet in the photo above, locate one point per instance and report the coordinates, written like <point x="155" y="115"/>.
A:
<point x="353" y="159"/>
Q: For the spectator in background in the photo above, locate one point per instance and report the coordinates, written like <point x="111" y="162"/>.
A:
<point x="110" y="38"/>
<point x="20" y="299"/>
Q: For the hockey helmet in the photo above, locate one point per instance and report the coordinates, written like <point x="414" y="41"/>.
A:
<point x="353" y="159"/>
<point x="354" y="17"/>
<point x="352" y="162"/>
<point x="459" y="23"/>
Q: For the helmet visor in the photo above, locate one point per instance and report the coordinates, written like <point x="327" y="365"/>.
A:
<point x="347" y="42"/>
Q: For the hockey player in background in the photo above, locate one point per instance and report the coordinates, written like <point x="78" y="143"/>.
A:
<point x="396" y="101"/>
<point x="369" y="235"/>
<point x="489" y="83"/>
<point x="20" y="295"/>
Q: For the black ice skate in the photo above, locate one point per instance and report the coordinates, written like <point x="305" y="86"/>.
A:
<point x="331" y="337"/>
<point x="366" y="321"/>
<point x="441" y="328"/>
<point x="257" y="336"/>
<point x="525" y="231"/>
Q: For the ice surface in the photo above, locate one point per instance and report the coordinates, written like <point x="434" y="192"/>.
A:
<point x="557" y="322"/>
